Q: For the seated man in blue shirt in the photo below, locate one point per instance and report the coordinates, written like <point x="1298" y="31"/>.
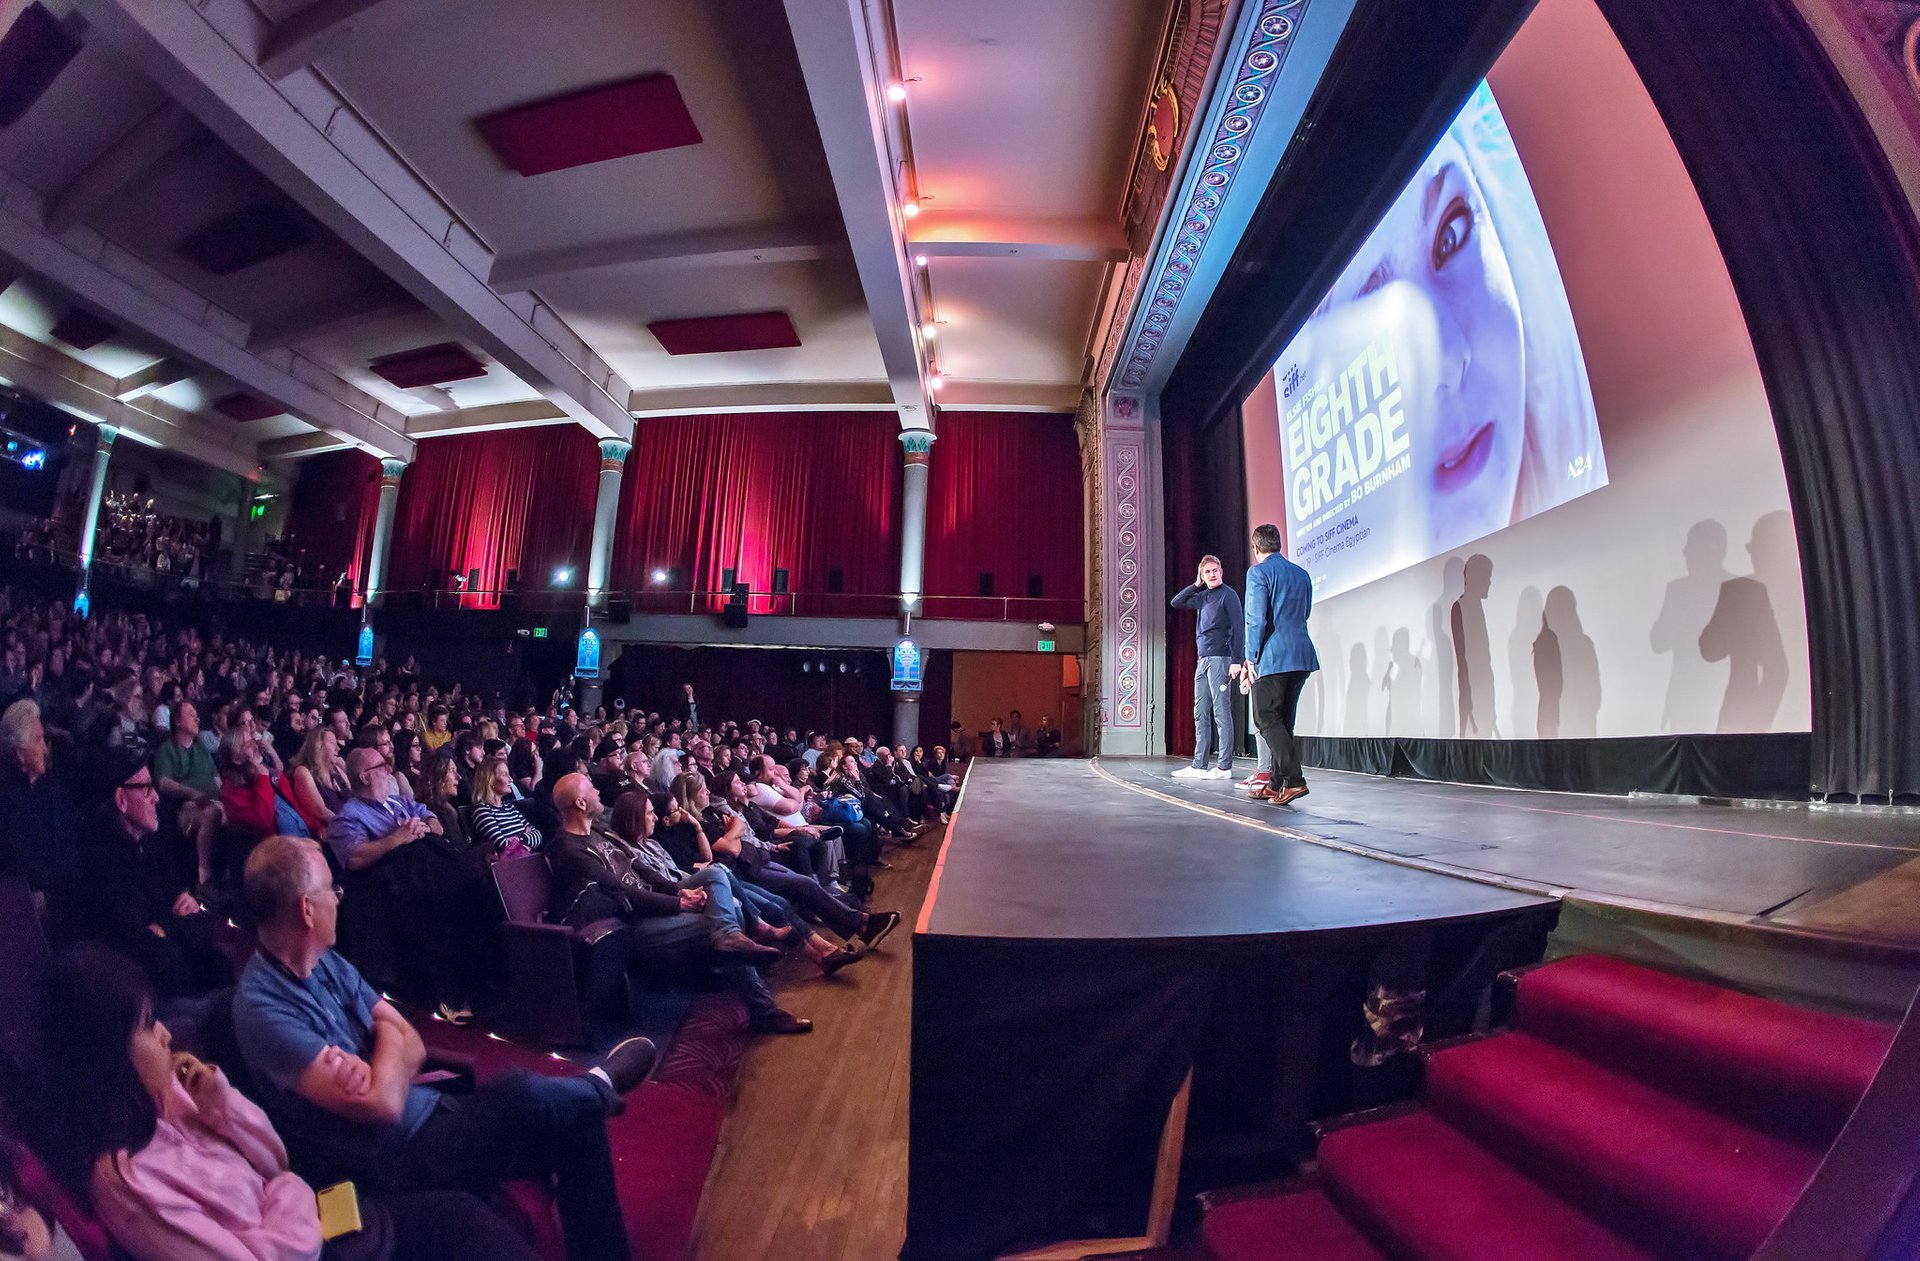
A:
<point x="438" y="906"/>
<point x="334" y="1064"/>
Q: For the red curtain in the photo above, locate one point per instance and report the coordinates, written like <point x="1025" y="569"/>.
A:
<point x="804" y="492"/>
<point x="1003" y="498"/>
<point x="513" y="499"/>
<point x="331" y="515"/>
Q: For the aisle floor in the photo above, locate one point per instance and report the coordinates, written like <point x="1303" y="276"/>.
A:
<point x="812" y="1165"/>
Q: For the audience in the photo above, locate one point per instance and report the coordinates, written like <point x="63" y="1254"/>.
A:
<point x="106" y="713"/>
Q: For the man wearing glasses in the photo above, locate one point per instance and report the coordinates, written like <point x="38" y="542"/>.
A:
<point x="131" y="897"/>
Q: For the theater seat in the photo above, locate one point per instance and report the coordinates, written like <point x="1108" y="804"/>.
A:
<point x="558" y="977"/>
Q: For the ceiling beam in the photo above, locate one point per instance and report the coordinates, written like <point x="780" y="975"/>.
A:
<point x="69" y="384"/>
<point x="157" y="375"/>
<point x="107" y="279"/>
<point x="312" y="33"/>
<point x="953" y="234"/>
<point x="720" y="247"/>
<point x="320" y="318"/>
<point x="8" y="274"/>
<point x="482" y="419"/>
<point x="299" y="445"/>
<point x="309" y="140"/>
<point x="145" y="146"/>
<point x="773" y="396"/>
<point x="841" y="59"/>
<point x="960" y="394"/>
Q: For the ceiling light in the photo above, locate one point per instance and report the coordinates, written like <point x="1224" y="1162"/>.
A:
<point x="562" y="576"/>
<point x="659" y="577"/>
<point x="939" y="380"/>
<point x="896" y="92"/>
<point x="919" y="260"/>
<point x="909" y="208"/>
<point x="929" y="330"/>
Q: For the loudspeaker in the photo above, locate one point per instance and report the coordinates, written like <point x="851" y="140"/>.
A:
<point x="473" y="578"/>
<point x="619" y="610"/>
<point x="780" y="582"/>
<point x="986" y="584"/>
<point x="726" y="578"/>
<point x="513" y="580"/>
<point x="836" y="580"/>
<point x="1033" y="586"/>
<point x="734" y="615"/>
<point x="739" y="596"/>
<point x="510" y="600"/>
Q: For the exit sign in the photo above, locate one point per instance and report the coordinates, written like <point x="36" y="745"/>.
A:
<point x="1046" y="645"/>
<point x="539" y="632"/>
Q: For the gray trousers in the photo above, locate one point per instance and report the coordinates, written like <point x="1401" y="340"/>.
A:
<point x="1213" y="712"/>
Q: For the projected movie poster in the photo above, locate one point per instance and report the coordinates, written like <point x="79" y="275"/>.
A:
<point x="1437" y="394"/>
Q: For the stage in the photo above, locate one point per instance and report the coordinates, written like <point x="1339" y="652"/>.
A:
<point x="1120" y="976"/>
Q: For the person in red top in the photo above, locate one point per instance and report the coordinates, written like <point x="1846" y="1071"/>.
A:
<point x="246" y="790"/>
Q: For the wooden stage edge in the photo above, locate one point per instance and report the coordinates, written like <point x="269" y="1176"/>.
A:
<point x="1862" y="946"/>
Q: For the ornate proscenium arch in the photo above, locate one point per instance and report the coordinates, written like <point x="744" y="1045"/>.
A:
<point x="1825" y="259"/>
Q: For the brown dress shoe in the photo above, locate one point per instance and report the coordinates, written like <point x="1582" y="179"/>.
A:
<point x="1287" y="796"/>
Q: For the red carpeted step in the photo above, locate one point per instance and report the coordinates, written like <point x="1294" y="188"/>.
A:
<point x="1423" y="1191"/>
<point x="1683" y="1179"/>
<point x="1780" y="1067"/>
<point x="1295" y="1226"/>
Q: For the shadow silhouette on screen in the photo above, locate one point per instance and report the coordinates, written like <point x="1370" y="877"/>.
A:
<point x="1524" y="720"/>
<point x="1693" y="681"/>
<point x="1473" y="654"/>
<point x="1744" y="631"/>
<point x="1439" y="627"/>
<point x="1567" y="669"/>
<point x="1401" y="683"/>
<point x="1357" y="686"/>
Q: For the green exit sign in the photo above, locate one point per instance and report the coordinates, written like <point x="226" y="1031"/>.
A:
<point x="1046" y="645"/>
<point x="257" y="511"/>
<point x="539" y="632"/>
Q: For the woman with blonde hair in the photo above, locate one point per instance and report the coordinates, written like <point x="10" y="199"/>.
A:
<point x="318" y="778"/>
<point x="494" y="819"/>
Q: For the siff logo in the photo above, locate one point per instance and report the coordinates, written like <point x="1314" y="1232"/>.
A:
<point x="1292" y="380"/>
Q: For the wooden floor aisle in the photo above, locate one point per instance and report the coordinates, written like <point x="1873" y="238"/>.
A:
<point x="813" y="1163"/>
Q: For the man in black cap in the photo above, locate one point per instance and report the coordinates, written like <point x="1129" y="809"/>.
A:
<point x="129" y="896"/>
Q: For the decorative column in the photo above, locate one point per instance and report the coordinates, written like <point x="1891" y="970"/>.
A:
<point x="606" y="509"/>
<point x="1132" y="612"/>
<point x="913" y="549"/>
<point x="96" y="495"/>
<point x="390" y="471"/>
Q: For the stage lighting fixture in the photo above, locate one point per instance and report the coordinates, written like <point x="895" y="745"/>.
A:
<point x="843" y="667"/>
<point x="919" y="260"/>
<point x="939" y="381"/>
<point x="896" y="92"/>
<point x="34" y="460"/>
<point x="659" y="577"/>
<point x="806" y="667"/>
<point x="909" y="208"/>
<point x="562" y="576"/>
<point x="929" y="330"/>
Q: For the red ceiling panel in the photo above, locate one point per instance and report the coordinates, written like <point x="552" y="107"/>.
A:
<point x="429" y="365"/>
<point x="35" y="49"/>
<point x="82" y="330"/>
<point x="237" y="241"/>
<point x="757" y="330"/>
<point x="242" y="406"/>
<point x="597" y="124"/>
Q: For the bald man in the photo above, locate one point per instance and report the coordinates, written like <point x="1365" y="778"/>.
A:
<point x="438" y="909"/>
<point x="597" y="875"/>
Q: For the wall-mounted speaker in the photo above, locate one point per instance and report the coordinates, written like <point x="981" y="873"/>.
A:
<point x="726" y="578"/>
<point x="619" y="610"/>
<point x="836" y="580"/>
<point x="1034" y="586"/>
<point x="780" y="577"/>
<point x="734" y="615"/>
<point x="986" y="583"/>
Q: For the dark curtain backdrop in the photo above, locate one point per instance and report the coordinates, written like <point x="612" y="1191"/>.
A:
<point x="330" y="517"/>
<point x="804" y="492"/>
<point x="513" y="499"/>
<point x="1003" y="497"/>
<point x="1206" y="497"/>
<point x="764" y="683"/>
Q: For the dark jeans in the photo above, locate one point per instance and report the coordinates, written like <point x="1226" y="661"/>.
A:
<point x="1276" y="697"/>
<point x="521" y="1126"/>
<point x="428" y="1226"/>
<point x="689" y="937"/>
<point x="1213" y="712"/>
<point x="810" y="899"/>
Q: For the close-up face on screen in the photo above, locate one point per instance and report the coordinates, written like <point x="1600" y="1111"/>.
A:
<point x="1437" y="393"/>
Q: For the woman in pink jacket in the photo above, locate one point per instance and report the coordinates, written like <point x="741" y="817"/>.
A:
<point x="180" y="1166"/>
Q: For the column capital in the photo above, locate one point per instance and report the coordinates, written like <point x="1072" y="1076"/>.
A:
<point x="390" y="471"/>
<point x="613" y="454"/>
<point x="107" y="434"/>
<point x="919" y="444"/>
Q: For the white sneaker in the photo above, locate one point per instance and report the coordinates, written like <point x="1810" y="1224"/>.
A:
<point x="1190" y="772"/>
<point x="1218" y="773"/>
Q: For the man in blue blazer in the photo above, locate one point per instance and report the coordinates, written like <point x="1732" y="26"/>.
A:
<point x="1280" y="656"/>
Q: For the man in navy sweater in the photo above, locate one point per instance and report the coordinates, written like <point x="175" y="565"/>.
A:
<point x="1220" y="633"/>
